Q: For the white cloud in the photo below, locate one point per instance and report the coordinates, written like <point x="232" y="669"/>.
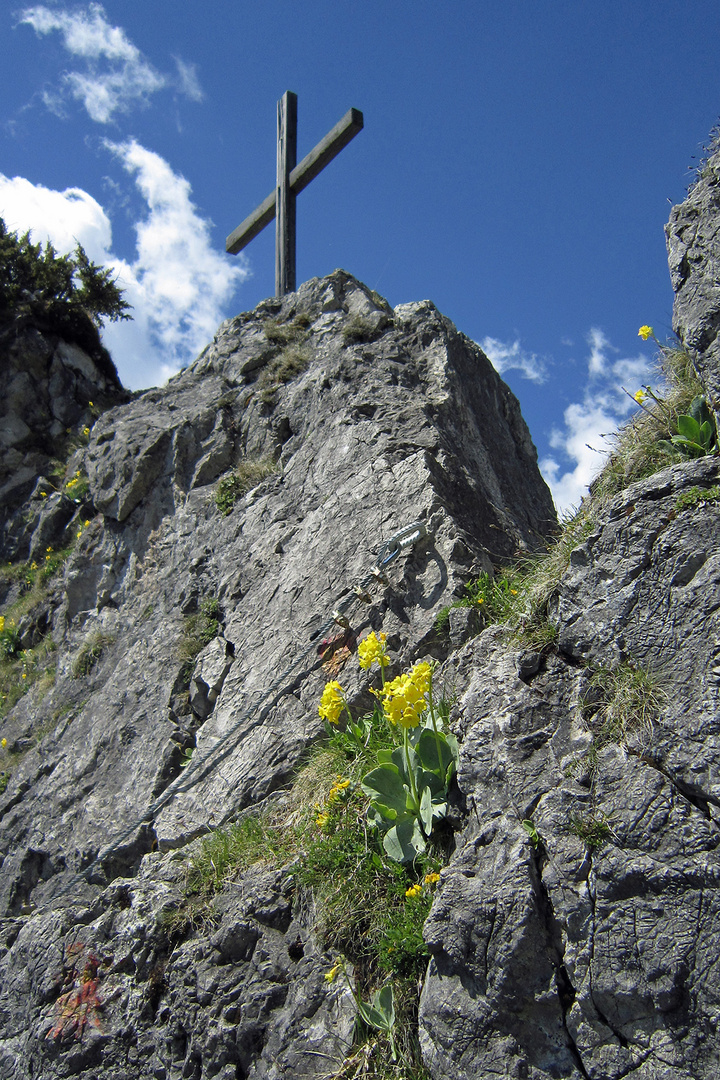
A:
<point x="66" y="218"/>
<point x="188" y="81"/>
<point x="506" y="355"/>
<point x="116" y="75"/>
<point x="585" y="439"/>
<point x="178" y="284"/>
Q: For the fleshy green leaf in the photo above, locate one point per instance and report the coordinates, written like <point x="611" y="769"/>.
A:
<point x="404" y="841"/>
<point x="384" y="786"/>
<point x="383" y="1002"/>
<point x="689" y="428"/>
<point x="429" y="747"/>
<point x="426" y="810"/>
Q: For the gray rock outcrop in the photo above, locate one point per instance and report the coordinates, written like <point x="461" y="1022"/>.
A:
<point x="50" y="391"/>
<point x="558" y="957"/>
<point x="229" y="514"/>
<point x="693" y="240"/>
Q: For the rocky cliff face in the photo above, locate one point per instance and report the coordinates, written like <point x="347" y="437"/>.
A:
<point x="693" y="240"/>
<point x="329" y="458"/>
<point x="50" y="392"/>
<point x="234" y="521"/>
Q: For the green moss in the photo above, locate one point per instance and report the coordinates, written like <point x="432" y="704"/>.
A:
<point x="697" y="496"/>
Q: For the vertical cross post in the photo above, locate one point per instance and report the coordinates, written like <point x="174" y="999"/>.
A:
<point x="285" y="196"/>
<point x="291" y="180"/>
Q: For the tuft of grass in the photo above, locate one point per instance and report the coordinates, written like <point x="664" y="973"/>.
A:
<point x="248" y="474"/>
<point x="358" y="329"/>
<point x="90" y="652"/>
<point x="198" y="631"/>
<point x="622" y="704"/>
<point x="287" y="365"/>
<point x="592" y="829"/>
<point x="290" y="333"/>
<point x="641" y="445"/>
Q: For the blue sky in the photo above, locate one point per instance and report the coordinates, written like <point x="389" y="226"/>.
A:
<point x="518" y="162"/>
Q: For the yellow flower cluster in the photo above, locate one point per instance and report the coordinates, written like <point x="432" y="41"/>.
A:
<point x="337" y="789"/>
<point x="332" y="702"/>
<point x="372" y="651"/>
<point x="404" y="698"/>
<point x="419" y="888"/>
<point x="3" y="743"/>
<point x="321" y="820"/>
<point x="2" y="623"/>
<point x="75" y="480"/>
<point x="645" y="332"/>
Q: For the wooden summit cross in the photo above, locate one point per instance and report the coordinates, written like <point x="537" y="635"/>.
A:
<point x="291" y="179"/>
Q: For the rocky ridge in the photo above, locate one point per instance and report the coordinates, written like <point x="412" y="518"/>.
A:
<point x="572" y="933"/>
<point x="353" y="421"/>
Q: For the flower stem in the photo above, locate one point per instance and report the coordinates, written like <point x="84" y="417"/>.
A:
<point x="435" y="729"/>
<point x="410" y="770"/>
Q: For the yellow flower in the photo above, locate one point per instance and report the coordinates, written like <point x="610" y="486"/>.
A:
<point x="337" y="789"/>
<point x="3" y="743"/>
<point x="420" y="676"/>
<point x="2" y="623"/>
<point x="332" y="973"/>
<point x="413" y="891"/>
<point x="332" y="702"/>
<point x="431" y="879"/>
<point x="645" y="332"/>
<point x="33" y="566"/>
<point x="48" y="549"/>
<point x="86" y="524"/>
<point x="86" y="431"/>
<point x="24" y="675"/>
<point x="640" y="396"/>
<point x="43" y="494"/>
<point x="404" y="698"/>
<point x="321" y="820"/>
<point x="372" y="650"/>
<point x="90" y="403"/>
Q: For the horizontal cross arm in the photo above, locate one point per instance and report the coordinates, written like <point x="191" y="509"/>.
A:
<point x="251" y="226"/>
<point x="328" y="148"/>
<point x="312" y="164"/>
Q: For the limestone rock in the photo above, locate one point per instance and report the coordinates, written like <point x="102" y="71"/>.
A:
<point x="209" y="597"/>
<point x="693" y="241"/>
<point x="551" y="955"/>
<point x="50" y="390"/>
